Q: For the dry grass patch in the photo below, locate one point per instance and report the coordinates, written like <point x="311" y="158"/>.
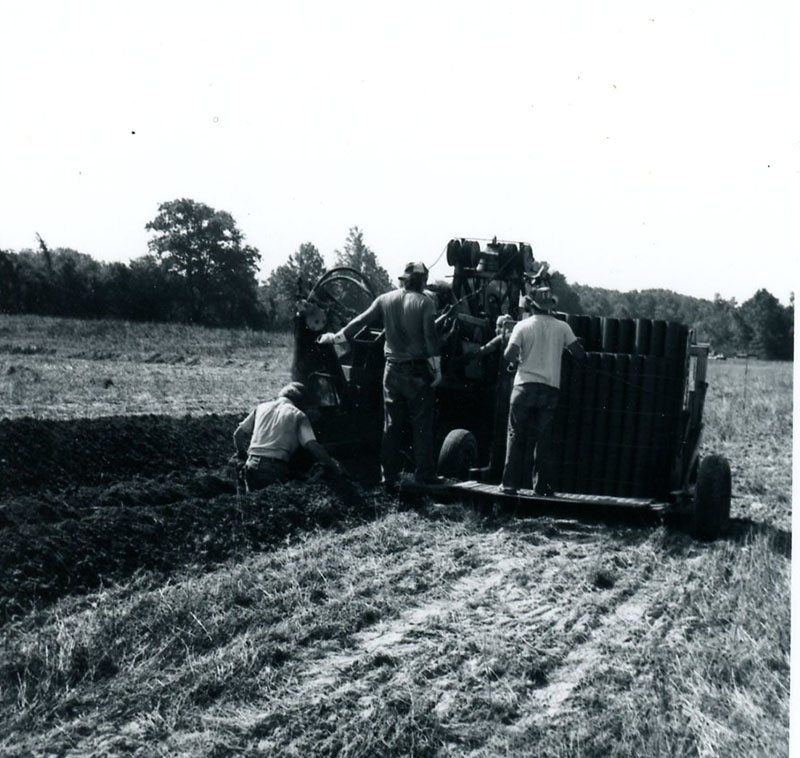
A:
<point x="748" y="419"/>
<point x="417" y="637"/>
<point x="68" y="368"/>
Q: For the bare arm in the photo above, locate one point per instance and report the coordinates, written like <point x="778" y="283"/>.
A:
<point x="241" y="437"/>
<point x="370" y="317"/>
<point x="432" y="346"/>
<point x="307" y="439"/>
<point x="576" y="350"/>
<point x="320" y="454"/>
<point x="511" y="353"/>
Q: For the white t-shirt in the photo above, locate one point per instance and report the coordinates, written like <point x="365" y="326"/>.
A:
<point x="277" y="429"/>
<point x="541" y="340"/>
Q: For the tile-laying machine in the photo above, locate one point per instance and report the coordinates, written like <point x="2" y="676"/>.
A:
<point x="627" y="429"/>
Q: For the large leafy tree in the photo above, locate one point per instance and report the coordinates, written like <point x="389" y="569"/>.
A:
<point x="357" y="255"/>
<point x="770" y="326"/>
<point x="300" y="271"/>
<point x="717" y="325"/>
<point x="206" y="249"/>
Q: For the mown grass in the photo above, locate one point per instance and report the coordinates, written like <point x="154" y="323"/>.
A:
<point x="68" y="368"/>
<point x="131" y="340"/>
<point x="409" y="636"/>
<point x="418" y="635"/>
<point x="749" y="419"/>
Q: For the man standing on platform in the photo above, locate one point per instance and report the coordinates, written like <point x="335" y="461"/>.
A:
<point x="535" y="346"/>
<point x="413" y="369"/>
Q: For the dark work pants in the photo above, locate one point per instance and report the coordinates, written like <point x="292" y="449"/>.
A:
<point x="530" y="424"/>
<point x="260" y="472"/>
<point x="407" y="397"/>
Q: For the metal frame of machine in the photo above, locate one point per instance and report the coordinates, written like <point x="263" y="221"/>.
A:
<point x="629" y="423"/>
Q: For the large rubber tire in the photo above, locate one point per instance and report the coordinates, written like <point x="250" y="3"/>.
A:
<point x="712" y="499"/>
<point x="458" y="455"/>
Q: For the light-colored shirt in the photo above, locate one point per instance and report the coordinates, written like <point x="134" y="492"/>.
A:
<point x="277" y="428"/>
<point x="541" y="339"/>
<point x="408" y="320"/>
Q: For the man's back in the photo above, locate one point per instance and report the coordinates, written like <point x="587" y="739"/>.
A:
<point x="408" y="320"/>
<point x="541" y="338"/>
<point x="279" y="427"/>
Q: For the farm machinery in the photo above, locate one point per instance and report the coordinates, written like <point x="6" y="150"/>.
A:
<point x="629" y="422"/>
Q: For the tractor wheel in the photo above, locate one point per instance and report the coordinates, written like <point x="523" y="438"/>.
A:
<point x="712" y="499"/>
<point x="458" y="455"/>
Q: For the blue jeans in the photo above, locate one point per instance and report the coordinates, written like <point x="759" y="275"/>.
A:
<point x="407" y="397"/>
<point x="530" y="424"/>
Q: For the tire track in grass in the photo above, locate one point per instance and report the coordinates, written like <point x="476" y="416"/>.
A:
<point x="511" y="589"/>
<point x="490" y="602"/>
<point x="403" y="635"/>
<point x="549" y="701"/>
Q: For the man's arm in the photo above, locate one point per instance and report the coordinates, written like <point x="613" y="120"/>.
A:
<point x="320" y="454"/>
<point x="514" y="348"/>
<point x="306" y="437"/>
<point x="431" y="337"/>
<point x="576" y="351"/>
<point x="241" y="437"/>
<point x="511" y="353"/>
<point x="432" y="345"/>
<point x="370" y="317"/>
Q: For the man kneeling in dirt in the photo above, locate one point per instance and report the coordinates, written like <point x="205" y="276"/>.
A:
<point x="271" y="434"/>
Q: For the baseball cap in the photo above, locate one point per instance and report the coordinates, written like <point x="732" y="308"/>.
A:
<point x="414" y="269"/>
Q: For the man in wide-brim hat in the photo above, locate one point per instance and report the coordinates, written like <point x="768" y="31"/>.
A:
<point x="535" y="345"/>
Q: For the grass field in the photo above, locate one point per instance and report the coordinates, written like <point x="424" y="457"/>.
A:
<point x="147" y="610"/>
<point x="66" y="368"/>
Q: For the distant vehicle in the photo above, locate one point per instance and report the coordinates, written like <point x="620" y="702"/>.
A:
<point x="717" y="357"/>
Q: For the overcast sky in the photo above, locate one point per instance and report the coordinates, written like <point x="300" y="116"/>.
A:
<point x="633" y="144"/>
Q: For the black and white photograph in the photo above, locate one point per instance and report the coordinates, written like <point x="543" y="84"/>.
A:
<point x="387" y="380"/>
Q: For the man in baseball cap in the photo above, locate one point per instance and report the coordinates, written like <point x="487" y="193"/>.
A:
<point x="413" y="369"/>
<point x="412" y="269"/>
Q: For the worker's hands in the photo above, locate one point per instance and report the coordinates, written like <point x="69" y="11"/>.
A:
<point x="329" y="338"/>
<point x="337" y="468"/>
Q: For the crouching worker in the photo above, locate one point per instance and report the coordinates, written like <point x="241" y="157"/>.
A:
<point x="271" y="434"/>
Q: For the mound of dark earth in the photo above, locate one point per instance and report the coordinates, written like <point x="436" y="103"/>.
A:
<point x="36" y="455"/>
<point x="71" y="543"/>
<point x="89" y="502"/>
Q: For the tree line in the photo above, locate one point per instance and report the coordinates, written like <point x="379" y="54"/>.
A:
<point x="760" y="326"/>
<point x="199" y="269"/>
